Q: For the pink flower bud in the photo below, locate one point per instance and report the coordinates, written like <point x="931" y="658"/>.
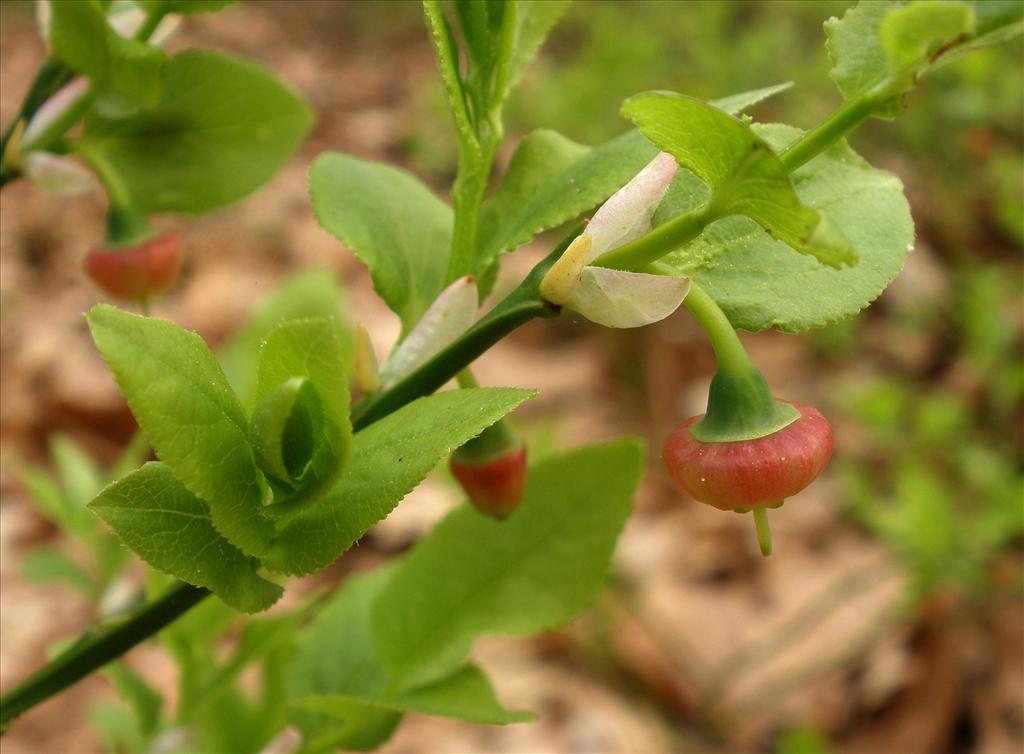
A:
<point x="495" y="486"/>
<point x="139" y="272"/>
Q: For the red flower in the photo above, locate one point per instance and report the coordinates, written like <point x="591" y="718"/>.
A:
<point x="495" y="486"/>
<point x="750" y="473"/>
<point x="137" y="272"/>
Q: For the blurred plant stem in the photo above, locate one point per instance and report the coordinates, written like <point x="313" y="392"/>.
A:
<point x="98" y="647"/>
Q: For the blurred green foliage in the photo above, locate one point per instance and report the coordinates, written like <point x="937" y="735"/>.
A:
<point x="961" y="132"/>
<point x="939" y="476"/>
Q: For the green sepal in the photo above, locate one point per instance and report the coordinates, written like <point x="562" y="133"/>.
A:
<point x="494" y="442"/>
<point x="126" y="226"/>
<point x="741" y="407"/>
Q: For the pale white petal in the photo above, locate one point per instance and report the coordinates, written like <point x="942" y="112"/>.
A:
<point x="58" y="175"/>
<point x="615" y="298"/>
<point x="165" y="29"/>
<point x="447" y="318"/>
<point x="564" y="274"/>
<point x="627" y="214"/>
<point x="52" y="108"/>
<point x="127" y="20"/>
<point x="43" y="15"/>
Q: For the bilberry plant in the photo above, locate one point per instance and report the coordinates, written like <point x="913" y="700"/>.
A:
<point x="267" y="466"/>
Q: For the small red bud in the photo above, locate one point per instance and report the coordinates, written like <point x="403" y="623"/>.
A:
<point x="137" y="272"/>
<point x="750" y="473"/>
<point x="495" y="486"/>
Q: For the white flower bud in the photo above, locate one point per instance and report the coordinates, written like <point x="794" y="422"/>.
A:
<point x="447" y="318"/>
<point x="618" y="298"/>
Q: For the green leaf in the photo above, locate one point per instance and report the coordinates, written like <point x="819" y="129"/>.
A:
<point x="447" y="53"/>
<point x="183" y="402"/>
<point x="998" y="21"/>
<point x="309" y="294"/>
<point x="285" y="427"/>
<point x="79" y="475"/>
<point x="551" y="180"/>
<point x="914" y="33"/>
<point x="189" y="7"/>
<point x="342" y="695"/>
<point x="143" y="699"/>
<point x="743" y="172"/>
<point x="389" y="458"/>
<point x="62" y="502"/>
<point x="134" y="77"/>
<point x="393" y="223"/>
<point x="117" y="727"/>
<point x="171" y="529"/>
<point x="259" y="639"/>
<point x="466" y="694"/>
<point x="473" y="575"/>
<point x="221" y="128"/>
<point x="477" y="35"/>
<point x="534" y="19"/>
<point x="46" y="495"/>
<point x="880" y="49"/>
<point x="336" y="654"/>
<point x="760" y="283"/>
<point x="47" y="565"/>
<point x="125" y="73"/>
<point x="78" y="36"/>
<point x="737" y="103"/>
<point x="302" y="389"/>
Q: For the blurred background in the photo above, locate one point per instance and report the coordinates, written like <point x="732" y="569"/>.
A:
<point x="890" y="619"/>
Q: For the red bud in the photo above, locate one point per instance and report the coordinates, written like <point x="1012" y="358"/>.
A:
<point x="750" y="473"/>
<point x="137" y="272"/>
<point x="495" y="486"/>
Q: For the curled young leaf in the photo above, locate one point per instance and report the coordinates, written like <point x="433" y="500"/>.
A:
<point x="301" y="428"/>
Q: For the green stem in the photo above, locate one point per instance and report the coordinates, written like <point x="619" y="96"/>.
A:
<point x="764" y="533"/>
<point x="467" y="196"/>
<point x="153" y="18"/>
<point x="96" y="651"/>
<point x="648" y="249"/>
<point x="740" y="405"/>
<point x="466" y="378"/>
<point x="126" y="225"/>
<point x="518" y="307"/>
<point x="729" y="351"/>
<point x="826" y="133"/>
